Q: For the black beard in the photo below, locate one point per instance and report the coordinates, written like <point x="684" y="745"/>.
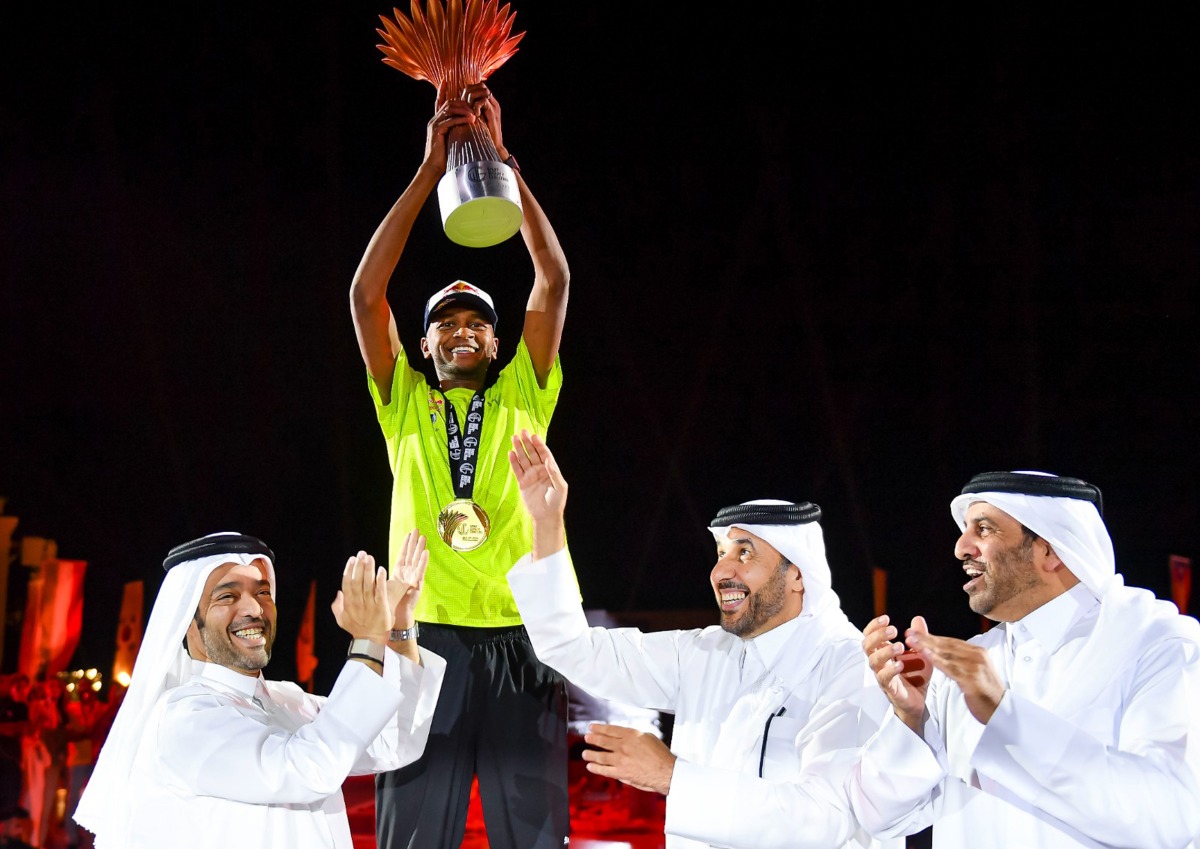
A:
<point x="760" y="606"/>
<point x="224" y="654"/>
<point x="1008" y="574"/>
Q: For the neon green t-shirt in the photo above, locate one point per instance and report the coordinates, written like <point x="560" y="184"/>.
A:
<point x="463" y="587"/>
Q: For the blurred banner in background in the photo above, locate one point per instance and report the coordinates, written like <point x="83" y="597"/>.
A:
<point x="53" y="617"/>
<point x="129" y="633"/>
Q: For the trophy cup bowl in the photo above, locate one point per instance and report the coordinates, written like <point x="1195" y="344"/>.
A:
<point x="479" y="197"/>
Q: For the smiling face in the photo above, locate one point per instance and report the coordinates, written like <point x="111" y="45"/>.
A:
<point x="1010" y="572"/>
<point x="234" y="625"/>
<point x="462" y="344"/>
<point x="756" y="588"/>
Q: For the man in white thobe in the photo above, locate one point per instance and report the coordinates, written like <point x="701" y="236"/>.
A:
<point x="205" y="752"/>
<point x="770" y="707"/>
<point x="1073" y="723"/>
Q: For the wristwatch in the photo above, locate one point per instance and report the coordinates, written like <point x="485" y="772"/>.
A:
<point x="364" y="649"/>
<point x="398" y="635"/>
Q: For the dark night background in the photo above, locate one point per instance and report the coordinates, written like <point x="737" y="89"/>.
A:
<point x="818" y="252"/>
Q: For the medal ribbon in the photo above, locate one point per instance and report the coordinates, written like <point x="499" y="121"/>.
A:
<point x="463" y="447"/>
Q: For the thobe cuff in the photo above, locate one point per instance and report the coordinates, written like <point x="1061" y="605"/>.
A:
<point x="1021" y="743"/>
<point x="373" y="701"/>
<point x="423" y="679"/>
<point x="698" y="807"/>
<point x="553" y="596"/>
<point x="897" y="775"/>
<point x="724" y="807"/>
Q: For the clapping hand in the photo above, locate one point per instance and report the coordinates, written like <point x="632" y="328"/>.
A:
<point x="964" y="663"/>
<point x="361" y="606"/>
<point x="408" y="576"/>
<point x="902" y="676"/>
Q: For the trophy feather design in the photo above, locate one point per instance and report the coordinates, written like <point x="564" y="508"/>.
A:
<point x="461" y="44"/>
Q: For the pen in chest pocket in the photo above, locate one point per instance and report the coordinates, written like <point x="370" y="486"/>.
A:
<point x="762" y="756"/>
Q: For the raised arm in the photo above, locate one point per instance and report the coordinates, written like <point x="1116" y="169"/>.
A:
<point x="374" y="324"/>
<point x="547" y="307"/>
<point x="543" y="489"/>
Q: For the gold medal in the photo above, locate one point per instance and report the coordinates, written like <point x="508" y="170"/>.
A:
<point x="463" y="525"/>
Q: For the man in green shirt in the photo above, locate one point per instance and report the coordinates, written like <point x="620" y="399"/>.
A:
<point x="501" y="714"/>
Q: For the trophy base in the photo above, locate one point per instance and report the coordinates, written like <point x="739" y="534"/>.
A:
<point x="480" y="203"/>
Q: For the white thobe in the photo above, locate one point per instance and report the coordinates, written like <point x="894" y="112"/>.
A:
<point x="223" y="763"/>
<point x="1095" y="743"/>
<point x="765" y="730"/>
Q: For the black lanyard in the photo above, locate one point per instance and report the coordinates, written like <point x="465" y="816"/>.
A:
<point x="462" y="447"/>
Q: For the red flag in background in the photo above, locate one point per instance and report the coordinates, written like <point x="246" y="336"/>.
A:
<point x="880" y="579"/>
<point x="53" y="617"/>
<point x="1181" y="581"/>
<point x="129" y="633"/>
<point x="306" y="661"/>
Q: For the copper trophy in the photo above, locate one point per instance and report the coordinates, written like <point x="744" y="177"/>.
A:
<point x="462" y="45"/>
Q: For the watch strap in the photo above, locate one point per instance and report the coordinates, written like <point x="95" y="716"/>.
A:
<point x="364" y="649"/>
<point x="401" y="634"/>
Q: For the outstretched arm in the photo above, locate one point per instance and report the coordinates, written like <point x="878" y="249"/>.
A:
<point x="374" y="324"/>
<point x="547" y="307"/>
